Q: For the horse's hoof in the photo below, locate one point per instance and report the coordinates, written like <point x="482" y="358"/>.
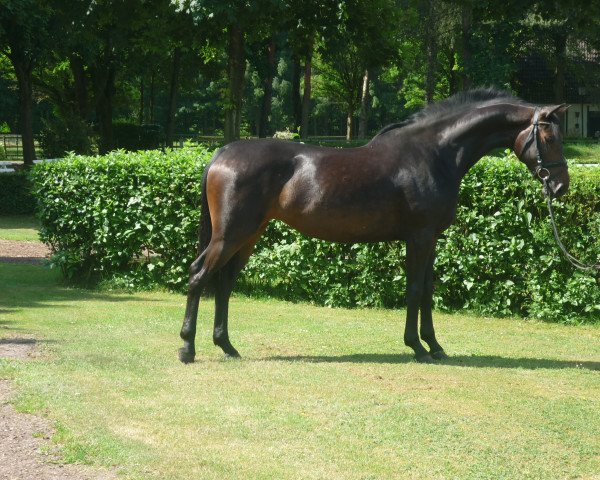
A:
<point x="232" y="355"/>
<point x="439" y="355"/>
<point x="185" y="356"/>
<point x="424" y="358"/>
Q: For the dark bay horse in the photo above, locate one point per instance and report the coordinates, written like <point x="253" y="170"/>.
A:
<point x="402" y="185"/>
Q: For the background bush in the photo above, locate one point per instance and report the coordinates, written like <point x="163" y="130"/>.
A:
<point x="103" y="215"/>
<point x="134" y="137"/>
<point x="62" y="134"/>
<point x="15" y="194"/>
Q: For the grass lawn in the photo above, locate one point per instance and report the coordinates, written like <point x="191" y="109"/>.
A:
<point x="582" y="152"/>
<point x="320" y="393"/>
<point x="19" y="227"/>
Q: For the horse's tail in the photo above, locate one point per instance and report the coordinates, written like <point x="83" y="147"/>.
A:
<point x="205" y="230"/>
<point x="205" y="233"/>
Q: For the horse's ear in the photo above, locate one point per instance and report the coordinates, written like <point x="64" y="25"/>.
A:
<point x="557" y="109"/>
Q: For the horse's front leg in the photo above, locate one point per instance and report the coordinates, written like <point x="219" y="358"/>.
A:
<point x="427" y="330"/>
<point x="419" y="250"/>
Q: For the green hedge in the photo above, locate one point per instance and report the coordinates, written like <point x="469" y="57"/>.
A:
<point x="15" y="194"/>
<point x="499" y="258"/>
<point x="130" y="215"/>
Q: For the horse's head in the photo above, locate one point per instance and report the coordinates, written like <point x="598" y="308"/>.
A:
<point x="539" y="146"/>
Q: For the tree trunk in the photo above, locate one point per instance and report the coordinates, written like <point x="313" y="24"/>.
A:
<point x="467" y="20"/>
<point x="235" y="69"/>
<point x="306" y="96"/>
<point x="104" y="114"/>
<point x="431" y="50"/>
<point x="265" y="108"/>
<point x="296" y="101"/>
<point x="560" y="56"/>
<point x="349" y="125"/>
<point x="79" y="86"/>
<point x="23" y="74"/>
<point x="364" y="107"/>
<point x="452" y="72"/>
<point x="559" y="86"/>
<point x="173" y="91"/>
<point x="104" y="89"/>
<point x="142" y="101"/>
<point x="151" y="109"/>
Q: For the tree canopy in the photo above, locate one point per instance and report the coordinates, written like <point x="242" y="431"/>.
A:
<point x="88" y="75"/>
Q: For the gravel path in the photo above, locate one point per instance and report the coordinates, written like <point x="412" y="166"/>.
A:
<point x="26" y="452"/>
<point x="23" y="252"/>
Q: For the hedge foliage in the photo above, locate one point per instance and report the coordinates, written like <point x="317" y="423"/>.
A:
<point x="15" y="194"/>
<point x="130" y="215"/>
<point x="499" y="258"/>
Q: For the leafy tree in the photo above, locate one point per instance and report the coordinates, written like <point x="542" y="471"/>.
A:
<point x="362" y="40"/>
<point x="25" y="34"/>
<point x="238" y="21"/>
<point x="553" y="24"/>
<point x="307" y="20"/>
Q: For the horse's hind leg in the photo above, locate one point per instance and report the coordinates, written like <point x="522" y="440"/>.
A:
<point x="198" y="278"/>
<point x="224" y="286"/>
<point x="202" y="269"/>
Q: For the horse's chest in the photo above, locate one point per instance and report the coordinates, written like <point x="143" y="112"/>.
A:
<point x="424" y="195"/>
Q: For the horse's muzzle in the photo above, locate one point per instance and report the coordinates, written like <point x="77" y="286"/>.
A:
<point x="558" y="189"/>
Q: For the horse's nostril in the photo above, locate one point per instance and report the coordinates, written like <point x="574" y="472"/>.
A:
<point x="560" y="190"/>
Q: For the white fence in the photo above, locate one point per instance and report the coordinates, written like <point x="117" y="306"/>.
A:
<point x="8" y="167"/>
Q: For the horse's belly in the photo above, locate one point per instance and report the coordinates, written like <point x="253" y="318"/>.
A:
<point x="339" y="226"/>
<point x="358" y="209"/>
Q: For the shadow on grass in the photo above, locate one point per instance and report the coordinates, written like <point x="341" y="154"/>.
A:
<point x="34" y="286"/>
<point x="476" y="361"/>
<point x="23" y="260"/>
<point x="18" y="222"/>
<point x="8" y="324"/>
<point x="25" y="340"/>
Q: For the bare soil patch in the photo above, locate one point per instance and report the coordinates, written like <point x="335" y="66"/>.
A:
<point x="27" y="452"/>
<point x="23" y="251"/>
<point x="19" y="348"/>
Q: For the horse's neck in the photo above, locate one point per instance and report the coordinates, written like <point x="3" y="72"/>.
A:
<point x="479" y="131"/>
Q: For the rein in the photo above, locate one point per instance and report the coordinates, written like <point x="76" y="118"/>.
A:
<point x="542" y="172"/>
<point x="572" y="260"/>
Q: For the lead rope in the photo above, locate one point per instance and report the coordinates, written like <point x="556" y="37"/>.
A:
<point x="572" y="260"/>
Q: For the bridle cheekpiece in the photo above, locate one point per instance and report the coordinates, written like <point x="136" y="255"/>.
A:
<point x="542" y="168"/>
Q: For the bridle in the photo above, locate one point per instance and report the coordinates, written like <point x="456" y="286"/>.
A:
<point x="542" y="168"/>
<point x="543" y="173"/>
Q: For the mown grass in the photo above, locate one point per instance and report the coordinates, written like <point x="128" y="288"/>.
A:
<point x="19" y="227"/>
<point x="582" y="152"/>
<point x="320" y="393"/>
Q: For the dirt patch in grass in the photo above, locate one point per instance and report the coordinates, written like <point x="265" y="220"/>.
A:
<point x="27" y="452"/>
<point x="17" y="348"/>
<point x="23" y="251"/>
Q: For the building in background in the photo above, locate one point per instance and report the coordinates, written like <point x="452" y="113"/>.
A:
<point x="536" y="83"/>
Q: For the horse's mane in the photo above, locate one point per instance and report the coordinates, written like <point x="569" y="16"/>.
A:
<point x="461" y="101"/>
